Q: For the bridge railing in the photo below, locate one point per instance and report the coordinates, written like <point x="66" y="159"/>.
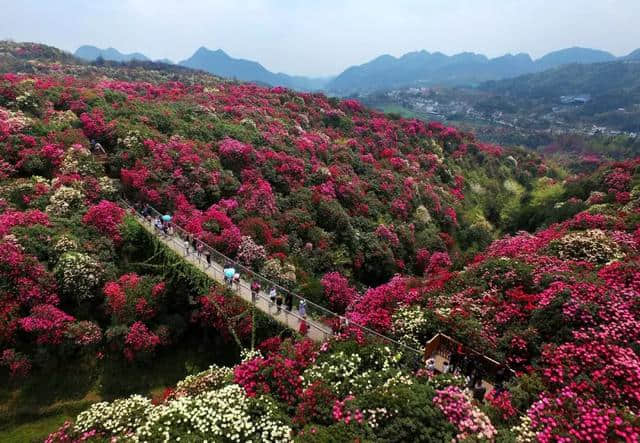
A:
<point x="330" y="321"/>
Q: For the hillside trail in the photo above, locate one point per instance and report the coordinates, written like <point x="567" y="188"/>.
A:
<point x="313" y="327"/>
<point x="317" y="331"/>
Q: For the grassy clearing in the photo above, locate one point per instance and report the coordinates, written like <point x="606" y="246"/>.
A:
<point x="29" y="411"/>
<point x="34" y="431"/>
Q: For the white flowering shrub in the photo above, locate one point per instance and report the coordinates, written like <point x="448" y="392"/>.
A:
<point x="409" y="322"/>
<point x="247" y="354"/>
<point x="132" y="143"/>
<point x="422" y="214"/>
<point x="251" y="254"/>
<point x="133" y="140"/>
<point x="63" y="244"/>
<point x="122" y="416"/>
<point x="352" y="373"/>
<point x="398" y="379"/>
<point x="523" y="431"/>
<point x="284" y="274"/>
<point x="225" y="415"/>
<point x="79" y="160"/>
<point x="16" y="190"/>
<point x="289" y="273"/>
<point x="78" y="275"/>
<point x="63" y="119"/>
<point x="28" y="101"/>
<point x="593" y="245"/>
<point x="65" y="201"/>
<point x="213" y="378"/>
<point x="249" y="123"/>
<point x="272" y="269"/>
<point x="109" y="188"/>
<point x="513" y="186"/>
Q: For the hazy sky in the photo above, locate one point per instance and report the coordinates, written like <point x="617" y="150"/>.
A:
<point x="321" y="37"/>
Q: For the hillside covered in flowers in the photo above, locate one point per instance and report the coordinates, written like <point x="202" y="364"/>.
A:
<point x="405" y="227"/>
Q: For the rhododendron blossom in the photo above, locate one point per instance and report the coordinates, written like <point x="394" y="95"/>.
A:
<point x="106" y="216"/>
<point x="338" y="291"/>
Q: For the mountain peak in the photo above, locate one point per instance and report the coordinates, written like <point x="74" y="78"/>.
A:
<point x="220" y="63"/>
<point x="203" y="51"/>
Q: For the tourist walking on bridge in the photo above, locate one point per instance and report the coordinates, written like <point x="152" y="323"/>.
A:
<point x="302" y="308"/>
<point x="229" y="272"/>
<point x="236" y="281"/>
<point x="255" y="289"/>
<point x="288" y="301"/>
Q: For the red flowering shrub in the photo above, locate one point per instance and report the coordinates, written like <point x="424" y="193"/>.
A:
<point x="224" y="314"/>
<point x="216" y="229"/>
<point x="315" y="404"/>
<point x="257" y="195"/>
<point x="279" y="373"/>
<point x="234" y="153"/>
<point x="94" y="125"/>
<point x="502" y="403"/>
<point x="140" y="342"/>
<point x="106" y="217"/>
<point x="17" y="363"/>
<point x="132" y="298"/>
<point x="27" y="282"/>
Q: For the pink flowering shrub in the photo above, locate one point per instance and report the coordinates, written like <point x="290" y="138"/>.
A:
<point x="84" y="333"/>
<point x="47" y="322"/>
<point x="251" y="254"/>
<point x="569" y="416"/>
<point x="9" y="219"/>
<point x="468" y="419"/>
<point x="343" y="411"/>
<point x="257" y="195"/>
<point x="375" y="308"/>
<point x="338" y="291"/>
<point x="234" y="153"/>
<point x="279" y="373"/>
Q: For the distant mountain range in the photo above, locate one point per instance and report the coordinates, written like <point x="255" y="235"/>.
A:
<point x="91" y="53"/>
<point x="420" y="68"/>
<point x="429" y="69"/>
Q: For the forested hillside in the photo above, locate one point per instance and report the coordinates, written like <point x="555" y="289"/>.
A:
<point x="407" y="228"/>
<point x="611" y="93"/>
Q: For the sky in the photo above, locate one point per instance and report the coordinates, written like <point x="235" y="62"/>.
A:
<point x="323" y="37"/>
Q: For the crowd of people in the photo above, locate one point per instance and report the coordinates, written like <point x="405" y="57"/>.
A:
<point x="231" y="276"/>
